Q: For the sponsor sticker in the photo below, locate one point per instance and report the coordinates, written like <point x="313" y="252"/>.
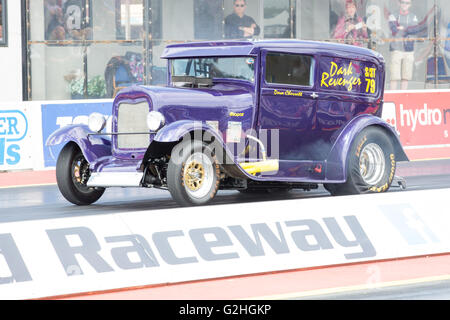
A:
<point x="234" y="132"/>
<point x="214" y="125"/>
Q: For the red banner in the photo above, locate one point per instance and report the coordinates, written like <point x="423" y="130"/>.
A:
<point x="423" y="121"/>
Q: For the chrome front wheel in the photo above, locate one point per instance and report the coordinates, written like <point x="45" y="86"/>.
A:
<point x="193" y="174"/>
<point x="198" y="175"/>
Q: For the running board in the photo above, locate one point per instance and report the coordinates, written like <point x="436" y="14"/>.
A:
<point x="115" y="179"/>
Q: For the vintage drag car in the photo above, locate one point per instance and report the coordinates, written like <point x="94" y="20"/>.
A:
<point x="246" y="115"/>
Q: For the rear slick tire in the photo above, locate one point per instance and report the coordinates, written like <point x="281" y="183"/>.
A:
<point x="71" y="171"/>
<point x="371" y="164"/>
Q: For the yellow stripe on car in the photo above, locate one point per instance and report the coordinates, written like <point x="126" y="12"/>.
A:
<point x="260" y="166"/>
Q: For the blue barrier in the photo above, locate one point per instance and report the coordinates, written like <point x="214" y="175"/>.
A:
<point x="55" y="116"/>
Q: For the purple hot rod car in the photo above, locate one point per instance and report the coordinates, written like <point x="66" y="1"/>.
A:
<point x="246" y="115"/>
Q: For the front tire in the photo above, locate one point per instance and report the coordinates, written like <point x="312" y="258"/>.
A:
<point x="193" y="174"/>
<point x="371" y="164"/>
<point x="72" y="173"/>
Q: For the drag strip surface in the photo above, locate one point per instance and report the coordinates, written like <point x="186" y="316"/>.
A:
<point x="46" y="202"/>
<point x="124" y="212"/>
<point x="426" y="290"/>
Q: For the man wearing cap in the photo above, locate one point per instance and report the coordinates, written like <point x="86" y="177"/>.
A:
<point x="403" y="24"/>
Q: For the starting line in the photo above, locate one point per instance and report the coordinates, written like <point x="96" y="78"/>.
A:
<point x="119" y="250"/>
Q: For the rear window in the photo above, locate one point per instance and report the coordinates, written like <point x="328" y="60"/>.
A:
<point x="290" y="69"/>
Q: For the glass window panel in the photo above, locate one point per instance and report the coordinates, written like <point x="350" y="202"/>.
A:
<point x="293" y="69"/>
<point x="208" y="17"/>
<point x="312" y="19"/>
<point x="156" y="19"/>
<point x="3" y="24"/>
<point x="277" y="19"/>
<point x="215" y="68"/>
<point x="53" y="70"/>
<point x="411" y="24"/>
<point x="386" y="26"/>
<point x="94" y="32"/>
<point x="113" y="66"/>
<point x="443" y="45"/>
<point x="129" y="19"/>
<point x="118" y="20"/>
<point x="63" y="20"/>
<point x="177" y="20"/>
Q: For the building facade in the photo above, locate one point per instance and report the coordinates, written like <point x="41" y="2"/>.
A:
<point x="87" y="49"/>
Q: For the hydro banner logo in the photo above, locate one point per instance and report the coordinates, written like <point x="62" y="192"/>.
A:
<point x="423" y="121"/>
<point x="14" y="149"/>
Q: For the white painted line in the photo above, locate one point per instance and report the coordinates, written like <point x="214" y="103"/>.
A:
<point x="349" y="289"/>
<point x="29" y="185"/>
<point x="427" y="146"/>
<point x="418" y="91"/>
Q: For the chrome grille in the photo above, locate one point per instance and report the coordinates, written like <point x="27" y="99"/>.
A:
<point x="132" y="118"/>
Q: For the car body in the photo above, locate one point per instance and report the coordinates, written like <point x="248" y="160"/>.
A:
<point x="271" y="115"/>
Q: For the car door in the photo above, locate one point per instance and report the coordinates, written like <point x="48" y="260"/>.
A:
<point x="288" y="102"/>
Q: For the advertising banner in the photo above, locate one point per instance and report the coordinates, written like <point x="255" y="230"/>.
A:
<point x="58" y="115"/>
<point x="423" y="121"/>
<point x="19" y="130"/>
<point x="42" y="258"/>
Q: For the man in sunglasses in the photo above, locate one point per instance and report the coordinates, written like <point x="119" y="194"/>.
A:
<point x="403" y="24"/>
<point x="238" y="25"/>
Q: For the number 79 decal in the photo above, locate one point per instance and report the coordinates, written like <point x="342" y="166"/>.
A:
<point x="371" y="85"/>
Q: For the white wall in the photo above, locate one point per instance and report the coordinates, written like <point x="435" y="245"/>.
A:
<point x="11" y="57"/>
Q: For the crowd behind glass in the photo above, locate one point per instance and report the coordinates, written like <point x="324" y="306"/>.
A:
<point x="91" y="49"/>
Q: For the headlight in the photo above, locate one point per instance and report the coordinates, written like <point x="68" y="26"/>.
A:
<point x="155" y="120"/>
<point x="96" y="122"/>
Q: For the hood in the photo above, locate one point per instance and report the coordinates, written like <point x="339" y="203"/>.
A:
<point x="199" y="104"/>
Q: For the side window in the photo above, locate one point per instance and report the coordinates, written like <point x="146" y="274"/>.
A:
<point x="290" y="69"/>
<point x="345" y="75"/>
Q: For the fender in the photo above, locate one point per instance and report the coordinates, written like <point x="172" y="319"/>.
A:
<point x="337" y="158"/>
<point x="175" y="131"/>
<point x="93" y="147"/>
<point x="166" y="138"/>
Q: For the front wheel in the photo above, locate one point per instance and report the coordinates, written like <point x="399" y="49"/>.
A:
<point x="72" y="173"/>
<point x="371" y="164"/>
<point x="193" y="174"/>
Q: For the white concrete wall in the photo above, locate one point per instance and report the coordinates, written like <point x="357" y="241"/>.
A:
<point x="11" y="57"/>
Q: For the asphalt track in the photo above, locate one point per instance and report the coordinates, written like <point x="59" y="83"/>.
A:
<point x="25" y="203"/>
<point x="46" y="202"/>
<point x="428" y="290"/>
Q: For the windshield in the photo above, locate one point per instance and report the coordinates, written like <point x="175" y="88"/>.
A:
<point x="213" y="68"/>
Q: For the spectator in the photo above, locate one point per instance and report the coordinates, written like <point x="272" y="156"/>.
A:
<point x="403" y="24"/>
<point x="351" y="28"/>
<point x="55" y="17"/>
<point x="238" y="25"/>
